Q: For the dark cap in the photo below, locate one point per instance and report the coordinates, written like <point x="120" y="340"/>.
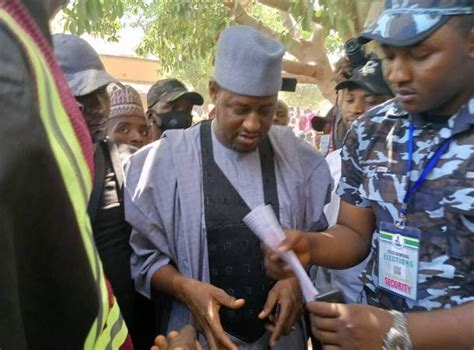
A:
<point x="80" y="64"/>
<point x="407" y="22"/>
<point x="169" y="90"/>
<point x="369" y="77"/>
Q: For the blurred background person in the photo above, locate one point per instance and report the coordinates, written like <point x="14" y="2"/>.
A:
<point x="88" y="81"/>
<point x="281" y="114"/>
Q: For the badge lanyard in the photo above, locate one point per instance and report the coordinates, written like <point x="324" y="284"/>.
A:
<point x="398" y="253"/>
<point x="430" y="165"/>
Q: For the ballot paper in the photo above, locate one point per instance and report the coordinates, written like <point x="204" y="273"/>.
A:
<point x="263" y="222"/>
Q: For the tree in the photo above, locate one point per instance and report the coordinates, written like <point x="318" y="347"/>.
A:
<point x="183" y="33"/>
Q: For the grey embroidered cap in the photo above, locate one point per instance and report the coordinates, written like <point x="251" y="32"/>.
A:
<point x="248" y="62"/>
<point x="407" y="22"/>
<point x="125" y="101"/>
<point x="80" y="64"/>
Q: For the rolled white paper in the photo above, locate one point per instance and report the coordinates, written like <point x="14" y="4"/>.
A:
<point x="263" y="222"/>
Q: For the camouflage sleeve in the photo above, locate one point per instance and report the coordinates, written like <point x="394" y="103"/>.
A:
<point x="352" y="175"/>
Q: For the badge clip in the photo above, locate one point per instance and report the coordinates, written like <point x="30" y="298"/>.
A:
<point x="401" y="222"/>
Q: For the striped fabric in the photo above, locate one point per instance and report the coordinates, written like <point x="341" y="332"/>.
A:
<point x="70" y="144"/>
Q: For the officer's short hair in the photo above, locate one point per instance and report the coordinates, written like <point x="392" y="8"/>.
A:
<point x="463" y="23"/>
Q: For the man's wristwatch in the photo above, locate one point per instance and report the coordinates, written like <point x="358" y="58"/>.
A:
<point x="397" y="337"/>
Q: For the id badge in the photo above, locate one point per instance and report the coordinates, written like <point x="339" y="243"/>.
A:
<point x="398" y="259"/>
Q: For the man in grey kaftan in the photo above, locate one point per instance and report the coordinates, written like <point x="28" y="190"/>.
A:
<point x="166" y="201"/>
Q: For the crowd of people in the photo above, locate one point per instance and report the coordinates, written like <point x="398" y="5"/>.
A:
<point x="121" y="224"/>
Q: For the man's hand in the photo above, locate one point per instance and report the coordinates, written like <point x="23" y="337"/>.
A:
<point x="295" y="240"/>
<point x="287" y="294"/>
<point x="184" y="340"/>
<point x="204" y="301"/>
<point x="353" y="326"/>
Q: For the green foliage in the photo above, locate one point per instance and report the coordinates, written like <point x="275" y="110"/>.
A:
<point x="302" y="10"/>
<point x="96" y="16"/>
<point x="183" y="35"/>
<point x="334" y="43"/>
<point x="344" y="16"/>
<point x="269" y="16"/>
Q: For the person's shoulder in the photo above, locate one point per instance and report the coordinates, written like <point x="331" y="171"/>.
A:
<point x="180" y="136"/>
<point x="278" y="132"/>
<point x="137" y="159"/>
<point x="378" y="119"/>
<point x="17" y="90"/>
<point x="285" y="136"/>
<point x="171" y="142"/>
<point x="10" y="44"/>
<point x="388" y="111"/>
<point x="295" y="148"/>
<point x="14" y="69"/>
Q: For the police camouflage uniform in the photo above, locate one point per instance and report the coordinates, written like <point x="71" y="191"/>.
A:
<point x="374" y="174"/>
<point x="406" y="22"/>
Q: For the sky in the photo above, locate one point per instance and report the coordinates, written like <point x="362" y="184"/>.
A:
<point x="129" y="39"/>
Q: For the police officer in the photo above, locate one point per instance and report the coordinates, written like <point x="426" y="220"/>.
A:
<point x="407" y="174"/>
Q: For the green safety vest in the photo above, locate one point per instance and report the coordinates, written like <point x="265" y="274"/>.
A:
<point x="108" y="330"/>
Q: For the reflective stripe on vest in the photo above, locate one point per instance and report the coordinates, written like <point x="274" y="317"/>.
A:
<point x="108" y="330"/>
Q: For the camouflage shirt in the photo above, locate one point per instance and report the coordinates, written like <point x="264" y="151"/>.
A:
<point x="374" y="174"/>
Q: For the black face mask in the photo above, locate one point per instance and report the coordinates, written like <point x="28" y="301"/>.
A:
<point x="175" y="120"/>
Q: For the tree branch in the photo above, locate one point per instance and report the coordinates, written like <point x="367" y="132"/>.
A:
<point x="299" y="68"/>
<point x="283" y="5"/>
<point x="313" y="66"/>
<point x="242" y="17"/>
<point x="307" y="73"/>
<point x="302" y="79"/>
<point x="293" y="27"/>
<point x="317" y="41"/>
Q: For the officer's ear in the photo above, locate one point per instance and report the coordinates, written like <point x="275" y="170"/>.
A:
<point x="213" y="91"/>
<point x="464" y="25"/>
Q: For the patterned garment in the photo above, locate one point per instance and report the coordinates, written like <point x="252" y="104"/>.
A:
<point x="374" y="174"/>
<point x="406" y="22"/>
